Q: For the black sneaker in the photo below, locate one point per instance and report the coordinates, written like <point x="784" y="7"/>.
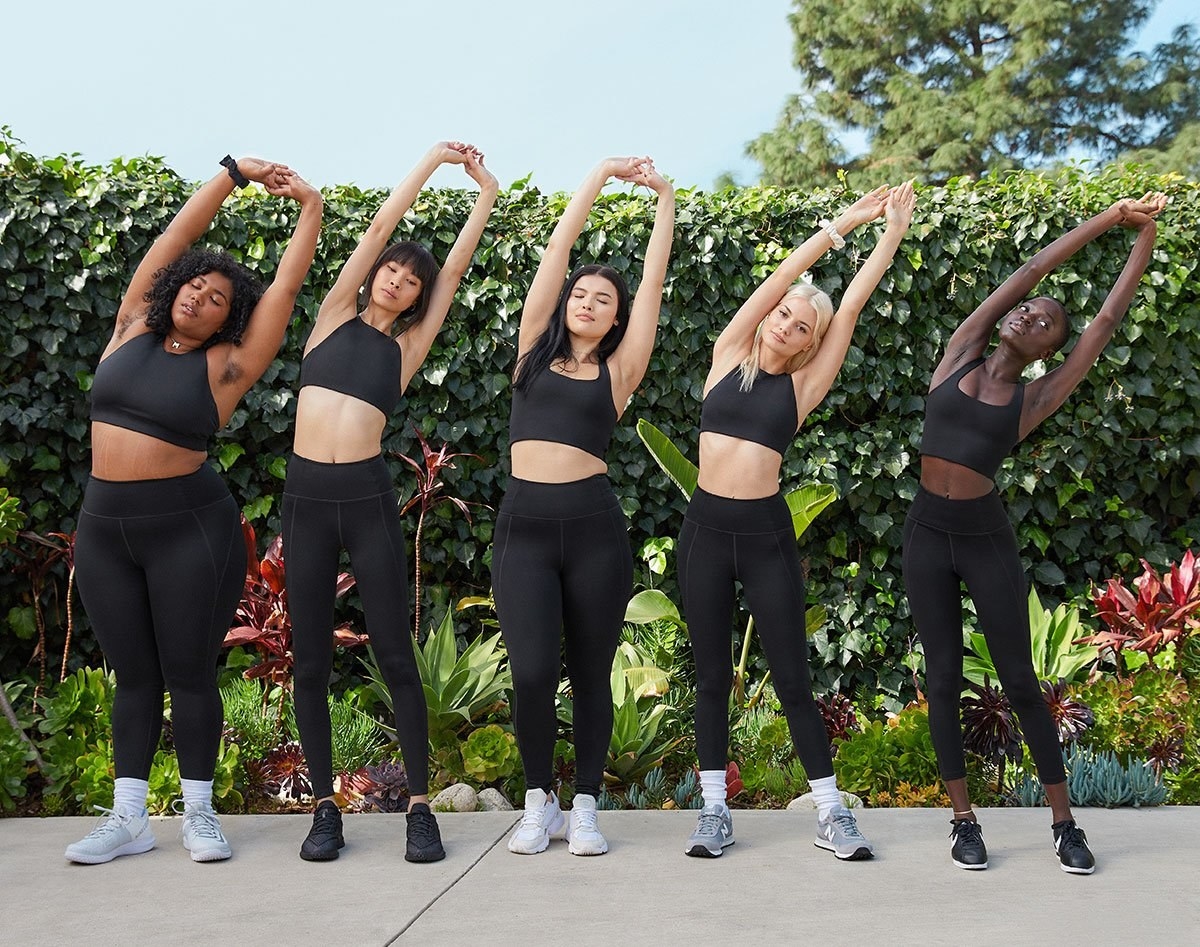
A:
<point x="1072" y="847"/>
<point x="424" y="839"/>
<point x="325" y="836"/>
<point x="967" y="850"/>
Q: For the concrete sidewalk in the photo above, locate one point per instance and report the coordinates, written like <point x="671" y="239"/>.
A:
<point x="772" y="887"/>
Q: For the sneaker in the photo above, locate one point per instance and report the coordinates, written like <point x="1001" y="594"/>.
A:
<point x="583" y="835"/>
<point x="967" y="850"/>
<point x="713" y="832"/>
<point x="325" y="837"/>
<point x="424" y="839"/>
<point x="542" y="819"/>
<point x="1072" y="847"/>
<point x="120" y="832"/>
<point x="202" y="834"/>
<point x="838" y="833"/>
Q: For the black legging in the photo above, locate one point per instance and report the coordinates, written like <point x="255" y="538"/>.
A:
<point x="951" y="541"/>
<point x="161" y="565"/>
<point x="328" y="508"/>
<point x="751" y="541"/>
<point x="562" y="571"/>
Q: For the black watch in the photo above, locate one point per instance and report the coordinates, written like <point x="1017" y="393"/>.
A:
<point x="231" y="166"/>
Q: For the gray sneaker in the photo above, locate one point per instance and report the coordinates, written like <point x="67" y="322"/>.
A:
<point x="839" y="834"/>
<point x="713" y="832"/>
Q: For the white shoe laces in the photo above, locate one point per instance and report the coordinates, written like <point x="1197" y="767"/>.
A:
<point x="203" y="823"/>
<point x="585" y="820"/>
<point x="110" y="821"/>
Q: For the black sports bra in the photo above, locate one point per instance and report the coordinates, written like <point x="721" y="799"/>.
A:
<point x="572" y="411"/>
<point x="766" y="414"/>
<point x="356" y="360"/>
<point x="142" y="388"/>
<point x="967" y="431"/>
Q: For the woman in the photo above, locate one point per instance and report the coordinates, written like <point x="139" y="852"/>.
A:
<point x="159" y="553"/>
<point x="372" y="334"/>
<point x="977" y="411"/>
<point x="562" y="567"/>
<point x="772" y="365"/>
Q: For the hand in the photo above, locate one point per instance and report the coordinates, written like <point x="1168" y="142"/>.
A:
<point x="624" y="169"/>
<point x="901" y="202"/>
<point x="648" y="176"/>
<point x="1138" y="213"/>
<point x="869" y="207"/>
<point x="452" y="152"/>
<point x="287" y="183"/>
<point x="258" y="170"/>
<point x="478" y="173"/>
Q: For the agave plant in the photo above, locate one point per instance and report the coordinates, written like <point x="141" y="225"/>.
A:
<point x="262" y="619"/>
<point x="1162" y="612"/>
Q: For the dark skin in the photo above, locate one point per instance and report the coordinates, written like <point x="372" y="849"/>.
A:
<point x="1031" y="329"/>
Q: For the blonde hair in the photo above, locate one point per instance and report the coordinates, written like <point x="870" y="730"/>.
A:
<point x="821" y="305"/>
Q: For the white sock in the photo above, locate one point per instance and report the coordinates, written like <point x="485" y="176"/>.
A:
<point x="825" y="794"/>
<point x="129" y="795"/>
<point x="712" y="786"/>
<point x="197" y="792"/>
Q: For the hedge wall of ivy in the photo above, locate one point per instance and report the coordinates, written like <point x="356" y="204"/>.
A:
<point x="1112" y="477"/>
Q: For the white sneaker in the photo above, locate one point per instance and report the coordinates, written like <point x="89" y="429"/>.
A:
<point x="120" y="832"/>
<point x="583" y="834"/>
<point x="202" y="834"/>
<point x="542" y="819"/>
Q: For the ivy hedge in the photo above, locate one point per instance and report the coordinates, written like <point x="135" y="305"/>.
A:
<point x="1112" y="477"/>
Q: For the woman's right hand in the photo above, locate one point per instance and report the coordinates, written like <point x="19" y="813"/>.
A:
<point x="627" y="169"/>
<point x="476" y="171"/>
<point x="264" y="172"/>
<point x="1137" y="213"/>
<point x="900" y="205"/>
<point x="287" y="183"/>
<point x="870" y="206"/>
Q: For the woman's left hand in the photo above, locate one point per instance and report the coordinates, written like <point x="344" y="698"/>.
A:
<point x="477" y="172"/>
<point x="901" y="202"/>
<point x="287" y="183"/>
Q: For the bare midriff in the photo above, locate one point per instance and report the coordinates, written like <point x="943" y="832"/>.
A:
<point x="120" y="454"/>
<point x="335" y="428"/>
<point x="737" y="469"/>
<point x="551" y="462"/>
<point x="953" y="481"/>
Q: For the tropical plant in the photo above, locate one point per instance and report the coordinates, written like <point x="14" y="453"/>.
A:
<point x="883" y="756"/>
<point x="804" y="503"/>
<point x="389" y="790"/>
<point x="1057" y="644"/>
<point x="357" y="738"/>
<point x="17" y="752"/>
<point x="76" y="717"/>
<point x="490" y="753"/>
<point x="1146" y="714"/>
<point x="459" y="688"/>
<point x="284" y="771"/>
<point x="837" y="711"/>
<point x="429" y="493"/>
<point x="906" y="796"/>
<point x="262" y="620"/>
<point x="1161" y="613"/>
<point x="50" y="550"/>
<point x="1071" y="717"/>
<point x="252" y="718"/>
<point x="989" y="728"/>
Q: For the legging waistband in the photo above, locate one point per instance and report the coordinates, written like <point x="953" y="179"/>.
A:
<point x="558" y="501"/>
<point x="762" y="515"/>
<point x="357" y="480"/>
<point x="129" y="498"/>
<point x="973" y="517"/>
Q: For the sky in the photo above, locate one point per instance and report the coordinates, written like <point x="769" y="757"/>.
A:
<point x="355" y="92"/>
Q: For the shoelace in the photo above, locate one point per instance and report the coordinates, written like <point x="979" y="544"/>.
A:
<point x="110" y="821"/>
<point x="204" y="823"/>
<point x="534" y="817"/>
<point x="710" y="823"/>
<point x="1072" y="837"/>
<point x="848" y="826"/>
<point x="585" y="820"/>
<point x="966" y="831"/>
<point x="421" y="826"/>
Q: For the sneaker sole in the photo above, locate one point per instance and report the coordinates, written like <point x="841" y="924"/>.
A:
<point x="700" y="850"/>
<point x="425" y="856"/>
<point x="966" y="867"/>
<point x="862" y="853"/>
<point x="321" y="856"/>
<point x="135" y="846"/>
<point x="1077" y="871"/>
<point x="587" y="851"/>
<point x="211" y="855"/>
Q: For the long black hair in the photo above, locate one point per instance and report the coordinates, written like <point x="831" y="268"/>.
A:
<point x="555" y="342"/>
<point x="424" y="267"/>
<point x="247" y="291"/>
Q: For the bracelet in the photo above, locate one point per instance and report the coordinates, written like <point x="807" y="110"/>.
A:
<point x="838" y="240"/>
<point x="239" y="179"/>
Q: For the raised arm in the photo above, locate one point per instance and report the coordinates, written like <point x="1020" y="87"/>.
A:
<point x="971" y="338"/>
<point x="343" y="297"/>
<point x="417" y="341"/>
<point x="552" y="270"/>
<point x="736" y="338"/>
<point x="628" y="363"/>
<point x="1045" y="395"/>
<point x="264" y="332"/>
<point x="814" y="380"/>
<point x="186" y="228"/>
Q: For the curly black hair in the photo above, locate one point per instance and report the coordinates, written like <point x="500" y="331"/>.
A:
<point x="247" y="291"/>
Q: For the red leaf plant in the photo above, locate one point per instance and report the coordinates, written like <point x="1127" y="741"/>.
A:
<point x="1161" y="612"/>
<point x="262" y="620"/>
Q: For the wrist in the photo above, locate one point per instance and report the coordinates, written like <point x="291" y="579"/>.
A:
<point x="833" y="232"/>
<point x="235" y="175"/>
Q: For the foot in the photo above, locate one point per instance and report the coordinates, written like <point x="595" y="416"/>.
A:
<point x="325" y="837"/>
<point x="424" y="839"/>
<point x="542" y="819"/>
<point x="713" y="832"/>
<point x="1074" y="856"/>
<point x="202" y="834"/>
<point x="967" y="849"/>
<point x="838" y="832"/>
<point x="583" y="835"/>
<point x="120" y="832"/>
